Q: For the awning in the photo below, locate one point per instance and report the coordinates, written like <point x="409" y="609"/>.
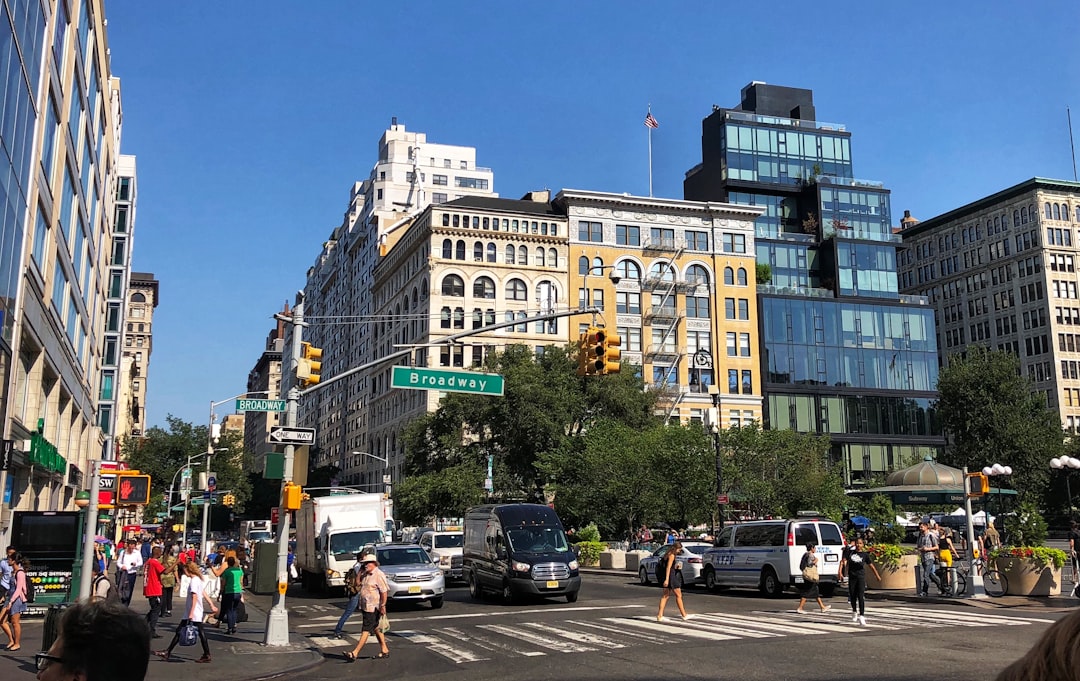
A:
<point x="913" y="495"/>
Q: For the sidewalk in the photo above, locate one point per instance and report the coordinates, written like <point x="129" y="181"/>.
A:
<point x="241" y="657"/>
<point x="1061" y="602"/>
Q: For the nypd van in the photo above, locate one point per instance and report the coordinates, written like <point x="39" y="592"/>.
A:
<point x="765" y="554"/>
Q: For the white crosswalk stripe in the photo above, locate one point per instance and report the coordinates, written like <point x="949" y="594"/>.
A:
<point x="475" y="642"/>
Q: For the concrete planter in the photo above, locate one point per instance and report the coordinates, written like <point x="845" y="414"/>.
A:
<point x="894" y="579"/>
<point x="1026" y="578"/>
<point x="613" y="559"/>
<point x="633" y="560"/>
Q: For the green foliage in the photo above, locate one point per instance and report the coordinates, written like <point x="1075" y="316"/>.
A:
<point x="589" y="552"/>
<point x="447" y="494"/>
<point x="589" y="533"/>
<point x="889" y="555"/>
<point x="1027" y="527"/>
<point x="880" y="511"/>
<point x="764" y="273"/>
<point x="992" y="413"/>
<point x="1040" y="556"/>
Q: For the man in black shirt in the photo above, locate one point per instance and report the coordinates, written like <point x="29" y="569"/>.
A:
<point x="856" y="559"/>
<point x="1074" y="546"/>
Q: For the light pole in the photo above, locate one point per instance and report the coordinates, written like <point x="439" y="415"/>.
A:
<point x="996" y="470"/>
<point x="185" y="494"/>
<point x="1068" y="464"/>
<point x="206" y="499"/>
<point x="615" y="279"/>
<point x="713" y="422"/>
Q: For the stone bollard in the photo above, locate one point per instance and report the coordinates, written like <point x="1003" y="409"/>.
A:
<point x="633" y="559"/>
<point x="613" y="559"/>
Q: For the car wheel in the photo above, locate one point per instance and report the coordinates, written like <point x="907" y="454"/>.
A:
<point x="436" y="602"/>
<point x="474" y="587"/>
<point x="507" y="593"/>
<point x="770" y="583"/>
<point x="643" y="576"/>
<point x="571" y="597"/>
<point x="710" y="578"/>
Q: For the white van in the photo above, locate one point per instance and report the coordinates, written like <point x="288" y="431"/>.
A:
<point x="765" y="554"/>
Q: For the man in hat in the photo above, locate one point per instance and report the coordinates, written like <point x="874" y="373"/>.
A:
<point x="373" y="593"/>
<point x="353" y="579"/>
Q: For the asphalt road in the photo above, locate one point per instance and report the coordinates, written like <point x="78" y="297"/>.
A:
<point x="611" y="633"/>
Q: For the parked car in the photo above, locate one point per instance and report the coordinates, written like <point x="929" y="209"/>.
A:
<point x="446" y="549"/>
<point x="410" y="574"/>
<point x="650" y="567"/>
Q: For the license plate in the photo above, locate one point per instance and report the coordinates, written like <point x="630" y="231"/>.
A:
<point x="414" y="589"/>
<point x="831" y="558"/>
<point x="552" y="584"/>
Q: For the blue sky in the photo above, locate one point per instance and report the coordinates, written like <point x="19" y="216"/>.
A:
<point x="251" y="121"/>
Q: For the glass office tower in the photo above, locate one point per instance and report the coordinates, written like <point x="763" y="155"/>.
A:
<point x="844" y="353"/>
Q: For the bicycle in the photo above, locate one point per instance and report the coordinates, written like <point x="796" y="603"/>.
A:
<point x="994" y="582"/>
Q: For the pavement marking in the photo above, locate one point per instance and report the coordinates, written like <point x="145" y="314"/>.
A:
<point x="668" y="627"/>
<point x="537" y="639"/>
<point x="501" y="613"/>
<point x="488" y="643"/>
<point x="637" y="635"/>
<point x="974" y="619"/>
<point x="435" y="645"/>
<point x="591" y="639"/>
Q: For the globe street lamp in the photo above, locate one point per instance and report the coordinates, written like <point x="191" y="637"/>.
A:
<point x="1068" y="464"/>
<point x="997" y="470"/>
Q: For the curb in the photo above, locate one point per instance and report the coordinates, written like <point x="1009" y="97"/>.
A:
<point x="316" y="658"/>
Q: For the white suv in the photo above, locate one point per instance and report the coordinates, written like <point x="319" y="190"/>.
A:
<point x="445" y="548"/>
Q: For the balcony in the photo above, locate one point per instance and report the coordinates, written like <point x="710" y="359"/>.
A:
<point x="663" y="313"/>
<point x="804" y="291"/>
<point x="780" y="120"/>
<point x="666" y="353"/>
<point x="660" y="245"/>
<point x="654" y="283"/>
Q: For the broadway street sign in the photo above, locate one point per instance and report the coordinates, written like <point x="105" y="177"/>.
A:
<point x="447" y="381"/>
<point x="260" y="405"/>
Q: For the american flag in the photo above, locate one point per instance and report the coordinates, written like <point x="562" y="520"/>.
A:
<point x="650" y="122"/>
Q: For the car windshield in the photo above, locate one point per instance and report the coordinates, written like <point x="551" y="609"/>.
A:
<point x="537" y="539"/>
<point x="348" y="544"/>
<point x="403" y="555"/>
<point x="449" y="541"/>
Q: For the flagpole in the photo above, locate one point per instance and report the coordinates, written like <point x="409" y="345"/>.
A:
<point x="650" y="154"/>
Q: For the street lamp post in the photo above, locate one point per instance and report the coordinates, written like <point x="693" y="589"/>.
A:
<point x="615" y="279"/>
<point x="1068" y="464"/>
<point x="996" y="470"/>
<point x="714" y="425"/>
<point x="89" y="530"/>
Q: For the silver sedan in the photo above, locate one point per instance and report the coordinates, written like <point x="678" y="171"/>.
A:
<point x="691" y="563"/>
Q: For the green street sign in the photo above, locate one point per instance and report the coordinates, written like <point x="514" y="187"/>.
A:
<point x="199" y="501"/>
<point x="444" y="380"/>
<point x="260" y="405"/>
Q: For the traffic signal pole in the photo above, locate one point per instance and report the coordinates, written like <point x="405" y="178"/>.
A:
<point x="277" y="620"/>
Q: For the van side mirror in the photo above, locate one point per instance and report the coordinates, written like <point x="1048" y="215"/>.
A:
<point x="500" y="551"/>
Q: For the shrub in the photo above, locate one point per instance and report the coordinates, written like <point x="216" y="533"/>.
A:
<point x="589" y="552"/>
<point x="888" y="555"/>
<point x="1039" y="555"/>
<point x="1027" y="527"/>
<point x="589" y="533"/>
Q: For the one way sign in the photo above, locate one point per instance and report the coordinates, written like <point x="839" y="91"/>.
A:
<point x="283" y="435"/>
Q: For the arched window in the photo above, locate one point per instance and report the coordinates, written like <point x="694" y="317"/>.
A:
<point x="460" y="251"/>
<point x="1078" y="213"/>
<point x="491" y="252"/>
<point x="423" y="290"/>
<point x="523" y="255"/>
<point x="541" y="255"/>
<point x="483" y="287"/>
<point x="997" y="226"/>
<point x="516" y="290"/>
<point x="414" y="296"/>
<point x="511" y="254"/>
<point x="459" y="318"/>
<point x="478" y="252"/>
<point x="477" y="318"/>
<point x="697" y="275"/>
<point x="1023" y="215"/>
<point x="1046" y="210"/>
<point x="741" y="277"/>
<point x="444" y="321"/>
<point x="1065" y="212"/>
<point x="453" y="286"/>
<point x="583" y="265"/>
<point x="508" y="316"/>
<point x="627" y="269"/>
<point x="1016" y="218"/>
<point x="1057" y="212"/>
<point x="661" y="270"/>
<point x="597" y="266"/>
<point x="729" y="276"/>
<point x="405" y="303"/>
<point x="553" y="257"/>
<point x="447" y="249"/>
<point x="138" y="298"/>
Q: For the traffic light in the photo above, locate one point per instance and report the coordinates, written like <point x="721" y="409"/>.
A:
<point x="594" y="348"/>
<point x="583" y="354"/>
<point x="132" y="490"/>
<point x="309" y="365"/>
<point x="291" y="496"/>
<point x="977" y="485"/>
<point x="228" y="499"/>
<point x="612" y="353"/>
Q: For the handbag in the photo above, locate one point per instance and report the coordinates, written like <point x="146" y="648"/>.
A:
<point x="384" y="624"/>
<point x="810" y="573"/>
<point x="189" y="635"/>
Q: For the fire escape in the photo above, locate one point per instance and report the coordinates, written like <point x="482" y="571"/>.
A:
<point x="663" y="314"/>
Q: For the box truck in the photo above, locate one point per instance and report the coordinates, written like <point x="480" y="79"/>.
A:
<point x="256" y="530"/>
<point x="331" y="530"/>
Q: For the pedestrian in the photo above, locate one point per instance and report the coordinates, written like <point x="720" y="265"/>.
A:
<point x="97" y="641"/>
<point x="671" y="572"/>
<point x="145" y="548"/>
<point x="6" y="571"/>
<point x="168" y="581"/>
<point x="127" y="567"/>
<point x="193" y="613"/>
<point x="809" y="568"/>
<point x="1074" y="546"/>
<point x="232" y="592"/>
<point x="100" y="586"/>
<point x="152" y="589"/>
<point x="946" y="553"/>
<point x="927" y="547"/>
<point x="856" y="559"/>
<point x="11" y="615"/>
<point x="353" y="579"/>
<point x="1052" y="658"/>
<point x="373" y="593"/>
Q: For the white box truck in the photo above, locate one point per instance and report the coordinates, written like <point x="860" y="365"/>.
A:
<point x="256" y="530"/>
<point x="331" y="530"/>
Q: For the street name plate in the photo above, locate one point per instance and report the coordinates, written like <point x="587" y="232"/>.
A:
<point x="473" y="382"/>
<point x="284" y="435"/>
<point x="260" y="405"/>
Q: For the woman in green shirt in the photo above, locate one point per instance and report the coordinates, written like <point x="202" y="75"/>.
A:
<point x="232" y="590"/>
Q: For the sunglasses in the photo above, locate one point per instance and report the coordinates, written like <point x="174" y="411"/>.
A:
<point x="43" y="660"/>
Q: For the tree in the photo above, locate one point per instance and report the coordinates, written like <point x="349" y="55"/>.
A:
<point x="447" y="494"/>
<point x="684" y="468"/>
<point x="993" y="414"/>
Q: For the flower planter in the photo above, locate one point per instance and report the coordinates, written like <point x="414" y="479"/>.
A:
<point x="894" y="579"/>
<point x="1026" y="577"/>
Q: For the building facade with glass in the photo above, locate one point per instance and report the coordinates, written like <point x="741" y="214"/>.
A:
<point x="843" y="353"/>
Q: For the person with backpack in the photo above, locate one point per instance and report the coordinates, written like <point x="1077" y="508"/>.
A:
<point x="101" y="589"/>
<point x="22" y="592"/>
<point x="352" y="589"/>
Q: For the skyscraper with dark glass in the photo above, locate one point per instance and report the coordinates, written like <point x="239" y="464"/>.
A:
<point x="844" y="353"/>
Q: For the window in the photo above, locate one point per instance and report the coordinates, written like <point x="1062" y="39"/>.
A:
<point x="697" y="307"/>
<point x="729" y="276"/>
<point x="478" y="252"/>
<point x="627" y="302"/>
<point x="729" y="308"/>
<point x="511" y="253"/>
<point x="747" y="382"/>
<point x="447" y="248"/>
<point x="41" y="235"/>
<point x="732" y="348"/>
<point x="733" y="381"/>
<point x="491" y="252"/>
<point x="470" y="182"/>
<point x="541" y="257"/>
<point x="459" y="249"/>
<point x="444" y="318"/>
<point x="628" y="269"/>
<point x="523" y="255"/>
<point x="631" y="337"/>
<point x="459" y="318"/>
<point x="453" y="286"/>
<point x="627" y="235"/>
<point x="484" y="287"/>
<point x="553" y="257"/>
<point x="516" y="290"/>
<point x="439" y="180"/>
<point x="734" y="243"/>
<point x="744" y="309"/>
<point x="439" y="197"/>
<point x="744" y="344"/>
<point x="697" y="275"/>
<point x="741" y="277"/>
<point x="583" y="265"/>
<point x="697" y="241"/>
<point x="590" y="231"/>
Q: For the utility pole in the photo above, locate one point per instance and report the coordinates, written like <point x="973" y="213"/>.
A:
<point x="86" y="577"/>
<point x="277" y="620"/>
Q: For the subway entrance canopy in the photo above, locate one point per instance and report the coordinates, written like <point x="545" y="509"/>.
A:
<point x="927" y="483"/>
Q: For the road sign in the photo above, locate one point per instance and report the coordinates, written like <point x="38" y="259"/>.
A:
<point x="721" y="498"/>
<point x="211" y="483"/>
<point x="473" y="382"/>
<point x="199" y="502"/>
<point x="260" y="405"/>
<point x="283" y="435"/>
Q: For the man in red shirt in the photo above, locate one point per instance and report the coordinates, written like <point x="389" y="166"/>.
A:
<point x="152" y="588"/>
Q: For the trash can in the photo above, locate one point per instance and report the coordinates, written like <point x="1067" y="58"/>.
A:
<point x="51" y="630"/>
<point x="264" y="578"/>
<point x="918" y="578"/>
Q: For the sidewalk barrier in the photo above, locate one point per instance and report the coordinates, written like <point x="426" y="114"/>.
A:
<point x="51" y="629"/>
<point x="613" y="560"/>
<point x="633" y="560"/>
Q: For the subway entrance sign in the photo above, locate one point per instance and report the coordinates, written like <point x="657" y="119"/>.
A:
<point x="473" y="382"/>
<point x="260" y="405"/>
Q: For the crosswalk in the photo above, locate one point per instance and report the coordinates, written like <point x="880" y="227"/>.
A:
<point x="468" y="640"/>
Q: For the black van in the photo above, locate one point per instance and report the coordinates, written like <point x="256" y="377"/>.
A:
<point x="516" y="549"/>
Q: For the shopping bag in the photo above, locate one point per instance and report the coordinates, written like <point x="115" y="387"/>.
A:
<point x="189" y="635"/>
<point x="241" y="612"/>
<point x="384" y="624"/>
